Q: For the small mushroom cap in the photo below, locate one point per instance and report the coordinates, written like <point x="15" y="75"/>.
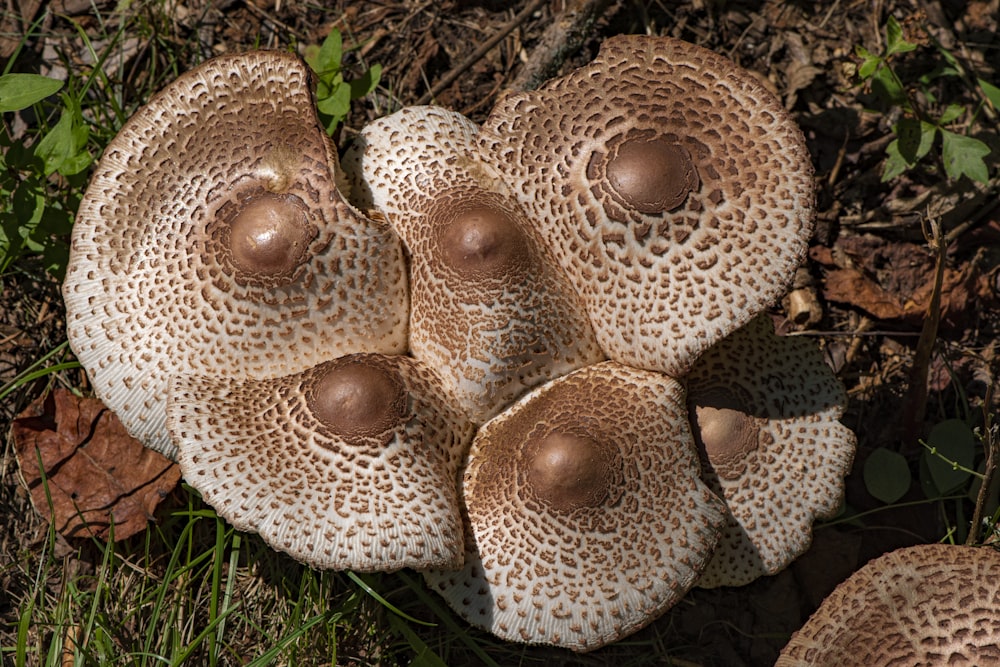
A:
<point x="489" y="308"/>
<point x="351" y="464"/>
<point x="675" y="190"/>
<point x="933" y="604"/>
<point x="586" y="516"/>
<point x="213" y="240"/>
<point x="764" y="411"/>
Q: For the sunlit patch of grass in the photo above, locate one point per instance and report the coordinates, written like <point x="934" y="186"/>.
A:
<point x="192" y="590"/>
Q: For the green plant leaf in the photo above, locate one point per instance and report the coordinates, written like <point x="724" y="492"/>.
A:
<point x="331" y="53"/>
<point x="951" y="113"/>
<point x="63" y="148"/>
<point x="869" y="62"/>
<point x="915" y="138"/>
<point x="19" y="91"/>
<point x="954" y="443"/>
<point x="992" y="92"/>
<point x="887" y="475"/>
<point x="895" y="164"/>
<point x="366" y="82"/>
<point x="337" y="103"/>
<point x="888" y="88"/>
<point x="894" y="38"/>
<point x="964" y="155"/>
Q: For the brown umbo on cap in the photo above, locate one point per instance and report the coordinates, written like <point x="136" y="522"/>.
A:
<point x="351" y="464"/>
<point x="674" y="189"/>
<point x="586" y="516"/>
<point x="490" y="308"/>
<point x="213" y="239"/>
<point x="764" y="411"/>
<point x="933" y="604"/>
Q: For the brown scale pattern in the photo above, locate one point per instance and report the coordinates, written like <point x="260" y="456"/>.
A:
<point x="795" y="473"/>
<point x="662" y="287"/>
<point x="923" y="606"/>
<point x="492" y="332"/>
<point x="588" y="573"/>
<point x="152" y="287"/>
<point x="268" y="464"/>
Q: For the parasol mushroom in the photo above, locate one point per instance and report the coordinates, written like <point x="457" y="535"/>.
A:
<point x="764" y="411"/>
<point x="586" y="515"/>
<point x="213" y="239"/>
<point x="674" y="189"/>
<point x="489" y="308"/>
<point x="933" y="604"/>
<point x="350" y="464"/>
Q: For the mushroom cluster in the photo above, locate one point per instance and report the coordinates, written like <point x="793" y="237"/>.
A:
<point x="527" y="358"/>
<point x="932" y="604"/>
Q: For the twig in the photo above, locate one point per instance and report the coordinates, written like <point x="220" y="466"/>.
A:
<point x="483" y="49"/>
<point x="561" y="39"/>
<point x="916" y="395"/>
<point x="992" y="446"/>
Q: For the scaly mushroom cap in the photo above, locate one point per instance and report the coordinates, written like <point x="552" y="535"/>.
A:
<point x="929" y="605"/>
<point x="489" y="308"/>
<point x="586" y="515"/>
<point x="212" y="239"/>
<point x="676" y="192"/>
<point x="764" y="411"/>
<point x="351" y="464"/>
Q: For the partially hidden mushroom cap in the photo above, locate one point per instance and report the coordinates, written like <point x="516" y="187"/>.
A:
<point x="489" y="306"/>
<point x="586" y="516"/>
<point x="934" y="604"/>
<point x="764" y="411"/>
<point x="213" y="239"/>
<point x="353" y="463"/>
<point x="674" y="188"/>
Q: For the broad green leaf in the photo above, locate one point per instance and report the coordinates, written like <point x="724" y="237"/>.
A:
<point x="337" y="103"/>
<point x="328" y="86"/>
<point x="869" y="62"/>
<point x="964" y="155"/>
<point x="76" y="163"/>
<point x="894" y="38"/>
<point x="895" y="163"/>
<point x="887" y="475"/>
<point x="915" y="139"/>
<point x="56" y="146"/>
<point x="992" y="92"/>
<point x="18" y="91"/>
<point x="887" y="86"/>
<point x="366" y="82"/>
<point x="952" y="444"/>
<point x="951" y="113"/>
<point x="331" y="53"/>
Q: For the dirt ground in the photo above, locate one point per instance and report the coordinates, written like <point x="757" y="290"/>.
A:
<point x="870" y="267"/>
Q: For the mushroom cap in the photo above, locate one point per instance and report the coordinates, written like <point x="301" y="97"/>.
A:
<point x="674" y="188"/>
<point x="933" y="604"/>
<point x="213" y="240"/>
<point x="353" y="463"/>
<point x="764" y="411"/>
<point x="489" y="308"/>
<point x="586" y="516"/>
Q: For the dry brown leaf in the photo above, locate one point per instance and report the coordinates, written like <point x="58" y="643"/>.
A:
<point x="894" y="280"/>
<point x="94" y="471"/>
<point x="853" y="287"/>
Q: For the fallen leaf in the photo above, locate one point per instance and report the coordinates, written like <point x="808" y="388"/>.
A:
<point x="853" y="287"/>
<point x="95" y="472"/>
<point x="894" y="280"/>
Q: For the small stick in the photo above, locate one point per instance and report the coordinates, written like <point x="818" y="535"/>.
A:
<point x="561" y="39"/>
<point x="916" y="395"/>
<point x="483" y="49"/>
<point x="992" y="446"/>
